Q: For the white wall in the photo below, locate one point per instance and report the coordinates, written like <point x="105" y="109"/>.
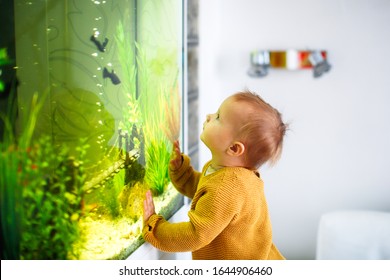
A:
<point x="337" y="153"/>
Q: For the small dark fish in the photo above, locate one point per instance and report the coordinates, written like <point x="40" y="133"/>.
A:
<point x="113" y="77"/>
<point x="101" y="46"/>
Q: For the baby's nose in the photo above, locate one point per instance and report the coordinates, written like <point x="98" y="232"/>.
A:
<point x="208" y="117"/>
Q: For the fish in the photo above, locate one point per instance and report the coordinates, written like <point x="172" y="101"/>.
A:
<point x="112" y="76"/>
<point x="101" y="46"/>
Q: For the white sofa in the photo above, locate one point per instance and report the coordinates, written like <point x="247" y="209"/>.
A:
<point x="354" y="235"/>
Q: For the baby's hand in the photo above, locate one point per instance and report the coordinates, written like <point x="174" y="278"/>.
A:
<point x="176" y="160"/>
<point x="149" y="209"/>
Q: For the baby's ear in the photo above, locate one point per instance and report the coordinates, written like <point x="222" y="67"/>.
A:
<point x="236" y="149"/>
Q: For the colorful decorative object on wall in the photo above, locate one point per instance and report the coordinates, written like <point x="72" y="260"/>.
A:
<point x="262" y="60"/>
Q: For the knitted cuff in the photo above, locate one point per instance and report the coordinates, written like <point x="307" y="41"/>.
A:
<point x="151" y="224"/>
<point x="180" y="171"/>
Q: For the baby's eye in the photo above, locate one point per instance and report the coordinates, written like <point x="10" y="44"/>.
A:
<point x="217" y="116"/>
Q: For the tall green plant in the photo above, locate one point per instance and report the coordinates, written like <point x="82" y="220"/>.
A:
<point x="127" y="58"/>
<point x="13" y="156"/>
<point x="41" y="193"/>
<point x="159" y="121"/>
<point x="10" y="201"/>
<point x="158" y="148"/>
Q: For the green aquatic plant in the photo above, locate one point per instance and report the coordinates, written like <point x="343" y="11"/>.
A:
<point x="109" y="194"/>
<point x="158" y="155"/>
<point x="41" y="192"/>
<point x="160" y="109"/>
<point x="157" y="146"/>
<point x="52" y="202"/>
<point x="145" y="83"/>
<point x="126" y="54"/>
<point x="13" y="157"/>
<point x="4" y="60"/>
<point x="11" y="198"/>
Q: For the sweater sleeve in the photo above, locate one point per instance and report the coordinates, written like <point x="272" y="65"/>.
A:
<point x="185" y="179"/>
<point x="169" y="237"/>
<point x="213" y="212"/>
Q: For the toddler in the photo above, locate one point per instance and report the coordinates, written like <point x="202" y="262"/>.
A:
<point x="228" y="217"/>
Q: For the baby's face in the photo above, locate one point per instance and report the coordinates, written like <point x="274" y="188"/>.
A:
<point x="220" y="128"/>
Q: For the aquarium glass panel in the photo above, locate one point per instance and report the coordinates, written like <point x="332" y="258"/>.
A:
<point x="99" y="92"/>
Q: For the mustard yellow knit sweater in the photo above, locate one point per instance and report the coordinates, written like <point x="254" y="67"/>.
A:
<point x="228" y="218"/>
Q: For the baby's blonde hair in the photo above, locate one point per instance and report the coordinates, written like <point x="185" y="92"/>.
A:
<point x="262" y="130"/>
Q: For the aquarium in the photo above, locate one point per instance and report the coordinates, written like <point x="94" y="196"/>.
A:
<point x="88" y="122"/>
